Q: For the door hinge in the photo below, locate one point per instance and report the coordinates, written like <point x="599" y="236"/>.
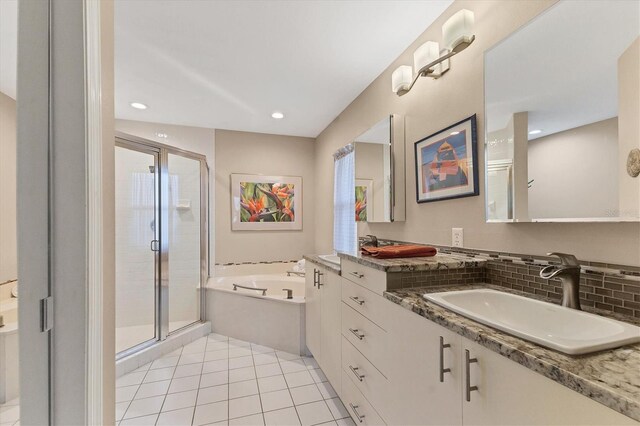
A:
<point x="46" y="314"/>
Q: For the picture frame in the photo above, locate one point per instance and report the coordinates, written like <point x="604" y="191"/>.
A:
<point x="364" y="200"/>
<point x="266" y="203"/>
<point x="446" y="163"/>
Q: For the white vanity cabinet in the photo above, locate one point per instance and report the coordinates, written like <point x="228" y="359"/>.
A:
<point x="496" y="391"/>
<point x="322" y="320"/>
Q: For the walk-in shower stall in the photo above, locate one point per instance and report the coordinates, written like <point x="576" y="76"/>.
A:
<point x="161" y="241"/>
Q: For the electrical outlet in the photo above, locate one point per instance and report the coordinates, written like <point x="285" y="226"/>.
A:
<point x="457" y="237"/>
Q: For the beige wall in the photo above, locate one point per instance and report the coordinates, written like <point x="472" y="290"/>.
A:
<point x="8" y="226"/>
<point x="256" y="153"/>
<point x="629" y="126"/>
<point x="435" y="104"/>
<point x="575" y="172"/>
<point x="370" y="165"/>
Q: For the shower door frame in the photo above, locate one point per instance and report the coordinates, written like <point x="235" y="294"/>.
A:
<point x="162" y="152"/>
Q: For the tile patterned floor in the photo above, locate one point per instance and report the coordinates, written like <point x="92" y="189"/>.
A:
<point x="10" y="413"/>
<point x="223" y="381"/>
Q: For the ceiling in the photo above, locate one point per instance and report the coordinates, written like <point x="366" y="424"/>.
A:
<point x="561" y="67"/>
<point x="231" y="64"/>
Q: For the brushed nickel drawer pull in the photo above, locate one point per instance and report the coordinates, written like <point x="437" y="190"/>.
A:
<point x="442" y="369"/>
<point x="357" y="300"/>
<point x="355" y="411"/>
<point x="356" y="333"/>
<point x="319" y="275"/>
<point x="354" y="370"/>
<point x="357" y="274"/>
<point x="468" y="362"/>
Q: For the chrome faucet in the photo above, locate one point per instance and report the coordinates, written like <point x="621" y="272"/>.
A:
<point x="371" y="241"/>
<point x="569" y="274"/>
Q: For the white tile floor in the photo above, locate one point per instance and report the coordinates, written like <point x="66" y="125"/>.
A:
<point x="222" y="381"/>
<point x="10" y="413"/>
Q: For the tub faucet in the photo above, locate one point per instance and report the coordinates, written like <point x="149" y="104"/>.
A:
<point x="289" y="293"/>
<point x="569" y="274"/>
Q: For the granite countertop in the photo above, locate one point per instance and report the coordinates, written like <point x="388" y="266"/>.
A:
<point x="411" y="264"/>
<point x="320" y="261"/>
<point x="611" y="377"/>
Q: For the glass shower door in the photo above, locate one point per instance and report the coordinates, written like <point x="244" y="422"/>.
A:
<point x="137" y="246"/>
<point x="185" y="243"/>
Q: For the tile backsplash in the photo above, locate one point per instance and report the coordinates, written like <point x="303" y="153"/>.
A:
<point x="610" y="287"/>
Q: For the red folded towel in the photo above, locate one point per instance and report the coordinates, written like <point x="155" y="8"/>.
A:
<point x="406" y="250"/>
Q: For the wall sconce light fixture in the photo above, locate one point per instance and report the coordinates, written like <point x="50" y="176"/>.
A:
<point x="429" y="60"/>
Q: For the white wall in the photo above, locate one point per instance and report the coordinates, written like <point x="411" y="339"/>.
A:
<point x="435" y="104"/>
<point x="575" y="172"/>
<point x="8" y="226"/>
<point x="257" y="153"/>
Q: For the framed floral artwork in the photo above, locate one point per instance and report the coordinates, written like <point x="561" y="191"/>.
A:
<point x="266" y="203"/>
<point x="364" y="199"/>
<point x="447" y="163"/>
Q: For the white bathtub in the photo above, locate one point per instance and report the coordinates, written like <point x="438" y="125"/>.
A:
<point x="271" y="319"/>
<point x="9" y="379"/>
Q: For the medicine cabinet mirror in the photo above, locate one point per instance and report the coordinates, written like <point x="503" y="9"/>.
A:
<point x="562" y="106"/>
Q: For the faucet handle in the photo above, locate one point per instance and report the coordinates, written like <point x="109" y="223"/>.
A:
<point x="566" y="259"/>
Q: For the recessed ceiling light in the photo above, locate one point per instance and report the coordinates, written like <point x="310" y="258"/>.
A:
<point x="277" y="115"/>
<point x="454" y="133"/>
<point x="138" y="105"/>
<point x="535" y="132"/>
<point x="162" y="135"/>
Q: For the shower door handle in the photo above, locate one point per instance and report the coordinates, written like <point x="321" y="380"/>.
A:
<point x="155" y="245"/>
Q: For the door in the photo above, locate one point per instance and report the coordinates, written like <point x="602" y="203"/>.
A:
<point x="313" y="311"/>
<point x="185" y="240"/>
<point x="137" y="246"/>
<point x="331" y="337"/>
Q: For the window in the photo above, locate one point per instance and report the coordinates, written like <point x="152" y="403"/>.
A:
<point x="344" y="222"/>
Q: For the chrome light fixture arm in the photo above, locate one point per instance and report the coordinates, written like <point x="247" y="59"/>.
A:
<point x="429" y="69"/>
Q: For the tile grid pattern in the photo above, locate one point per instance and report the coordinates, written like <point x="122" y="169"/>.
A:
<point x="217" y="380"/>
<point x="609" y="287"/>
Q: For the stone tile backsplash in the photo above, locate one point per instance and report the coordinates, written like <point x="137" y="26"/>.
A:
<point x="610" y="287"/>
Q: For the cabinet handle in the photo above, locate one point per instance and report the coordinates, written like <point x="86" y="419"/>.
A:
<point x="354" y="370"/>
<point x="468" y="362"/>
<point x="357" y="274"/>
<point x="315" y="277"/>
<point x="319" y="275"/>
<point x="357" y="300"/>
<point x="355" y="411"/>
<point x="442" y="369"/>
<point x="356" y="333"/>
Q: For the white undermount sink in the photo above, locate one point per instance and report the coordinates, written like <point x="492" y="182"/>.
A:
<point x="566" y="330"/>
<point x="333" y="258"/>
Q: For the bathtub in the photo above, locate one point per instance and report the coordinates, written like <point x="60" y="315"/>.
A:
<point x="246" y="314"/>
<point x="9" y="379"/>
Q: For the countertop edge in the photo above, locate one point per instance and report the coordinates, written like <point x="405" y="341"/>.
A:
<point x="416" y="264"/>
<point x="314" y="258"/>
<point x="623" y="404"/>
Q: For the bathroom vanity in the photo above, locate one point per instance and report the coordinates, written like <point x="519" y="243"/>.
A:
<point x="405" y="360"/>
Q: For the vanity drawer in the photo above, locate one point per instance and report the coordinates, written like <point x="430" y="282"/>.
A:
<point x="361" y="411"/>
<point x="364" y="375"/>
<point x="370" y="278"/>
<point x="367" y="337"/>
<point x="365" y="302"/>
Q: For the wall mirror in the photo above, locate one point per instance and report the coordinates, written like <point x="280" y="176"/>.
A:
<point x="561" y="106"/>
<point x="379" y="172"/>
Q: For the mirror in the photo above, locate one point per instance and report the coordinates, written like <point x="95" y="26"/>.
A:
<point x="379" y="192"/>
<point x="562" y="102"/>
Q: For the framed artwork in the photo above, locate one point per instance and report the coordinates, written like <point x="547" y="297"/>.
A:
<point x="266" y="203"/>
<point x="447" y="163"/>
<point x="364" y="198"/>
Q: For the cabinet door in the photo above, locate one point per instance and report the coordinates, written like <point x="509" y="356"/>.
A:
<point x="331" y="338"/>
<point x="417" y="394"/>
<point x="313" y="312"/>
<point x="509" y="393"/>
